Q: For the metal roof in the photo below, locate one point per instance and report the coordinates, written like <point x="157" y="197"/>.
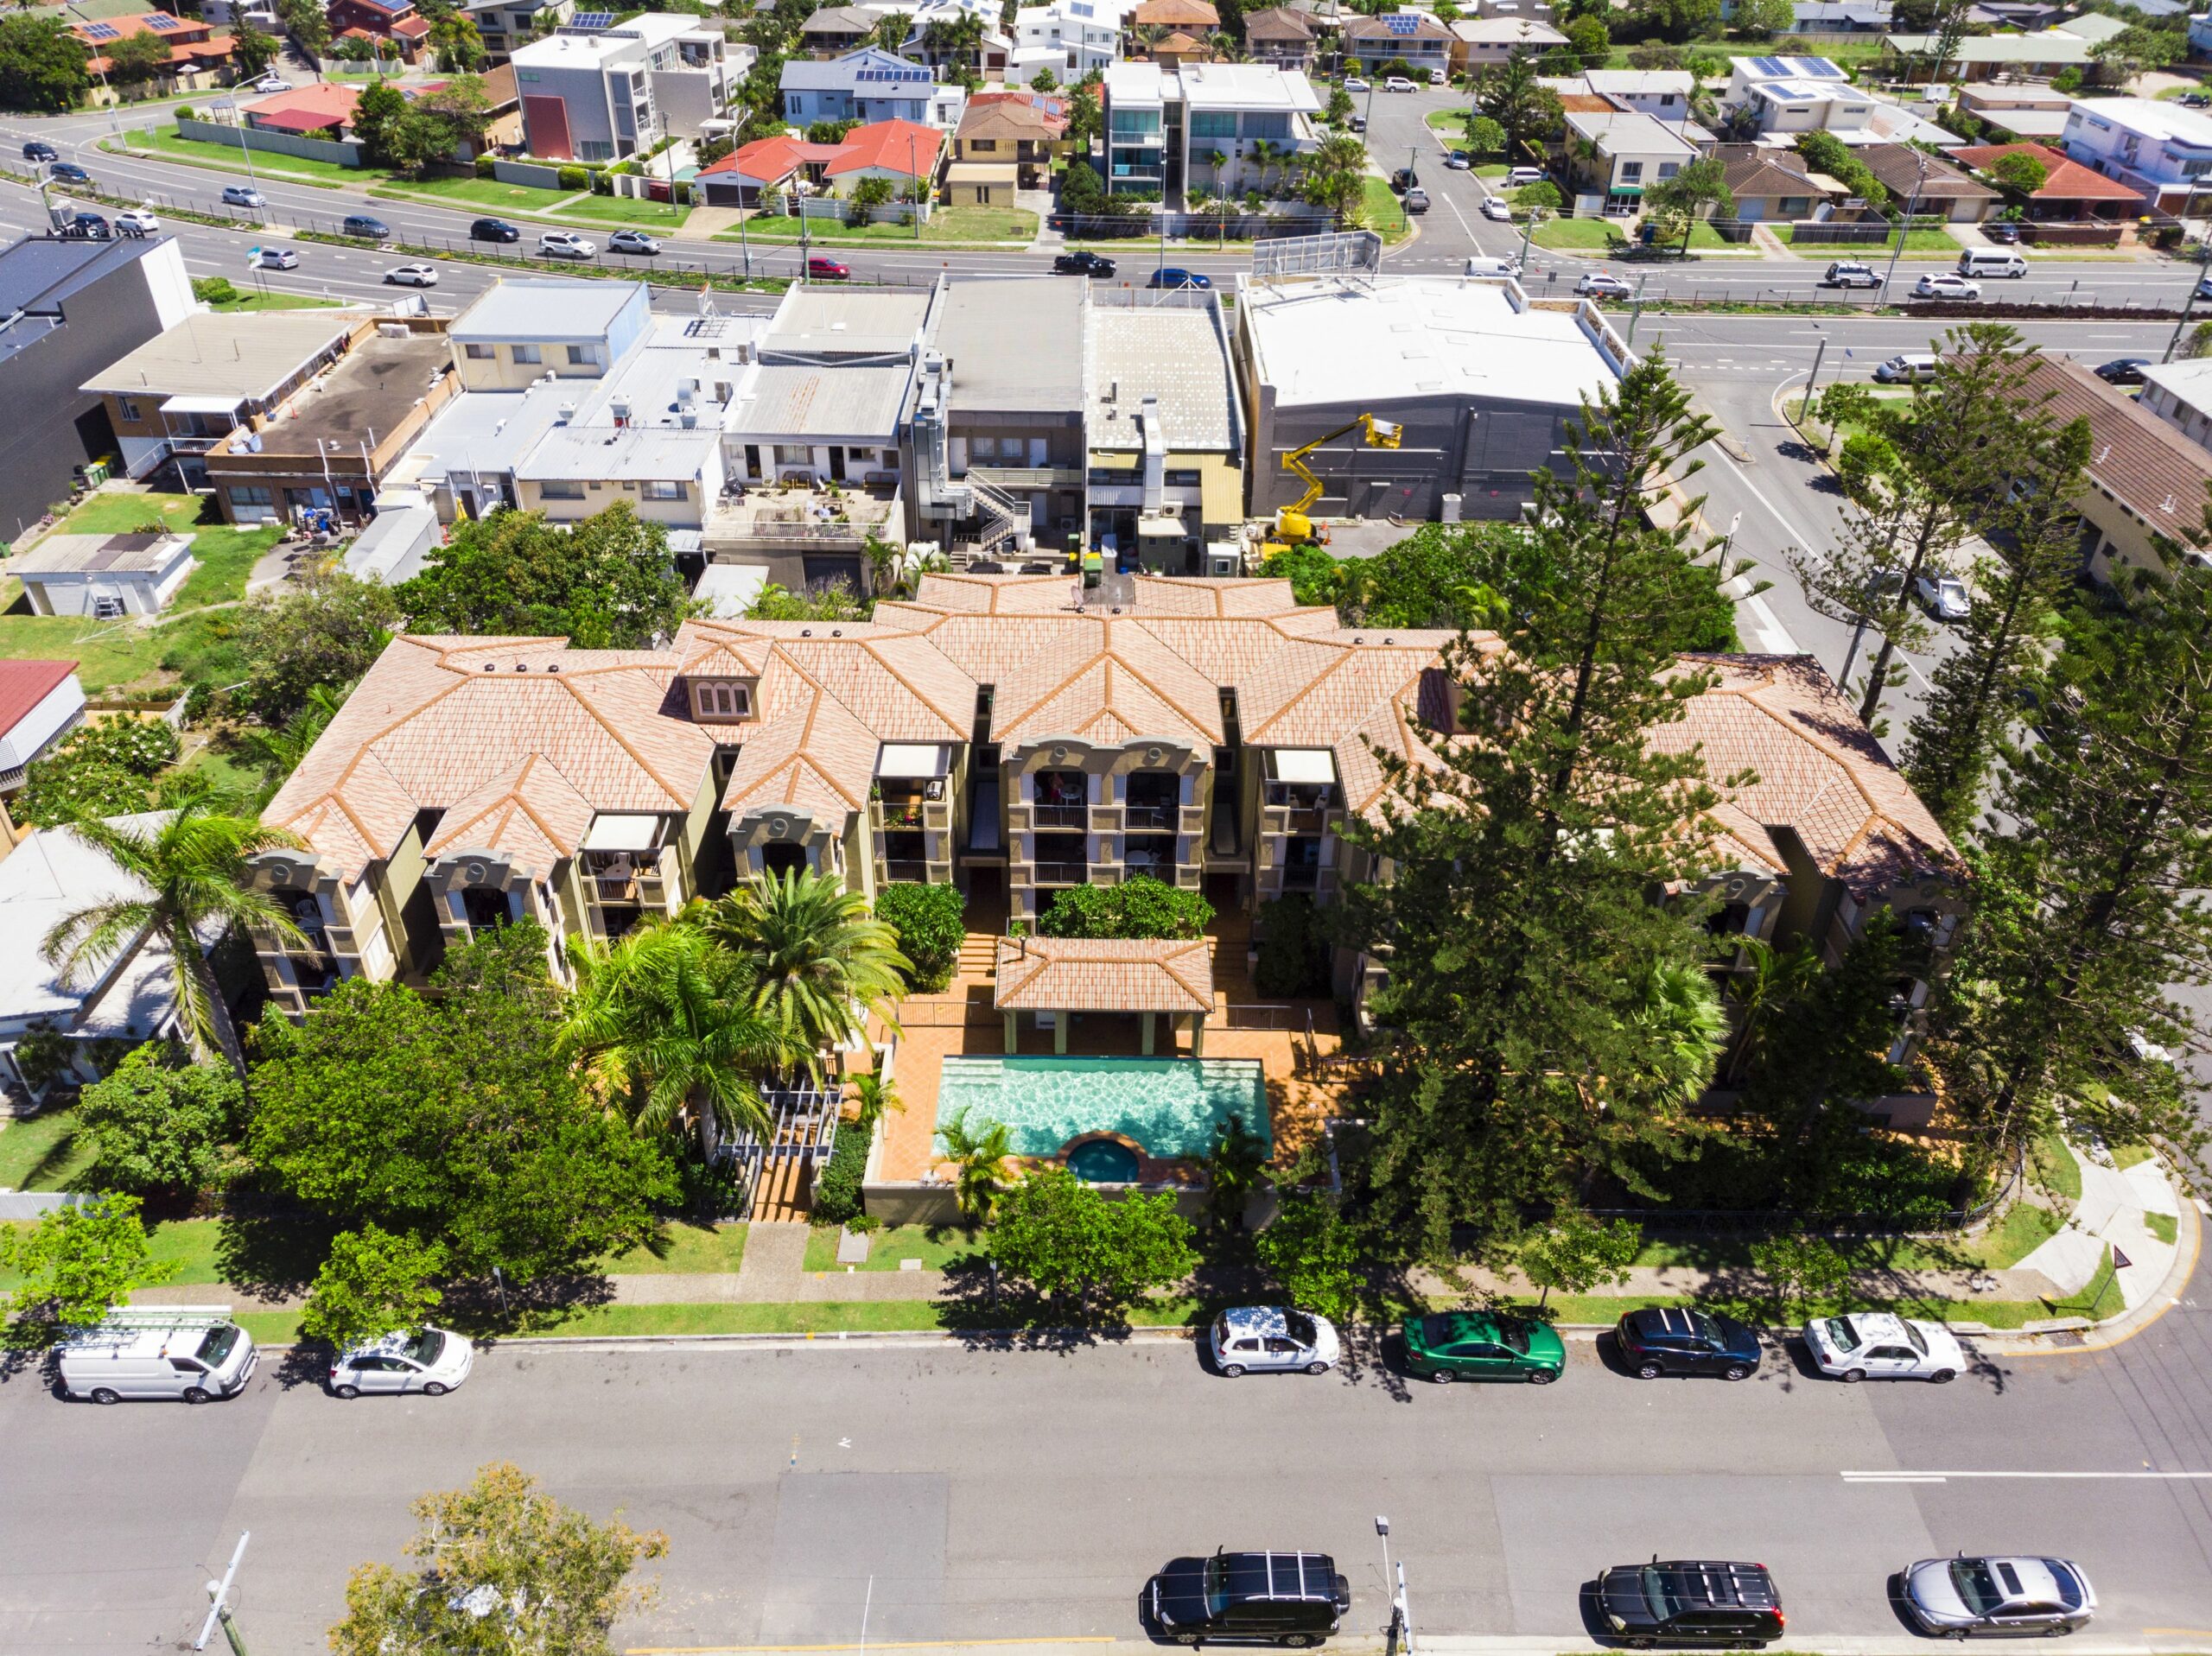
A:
<point x="248" y="354"/>
<point x="1179" y="356"/>
<point x="1014" y="345"/>
<point x="819" y="400"/>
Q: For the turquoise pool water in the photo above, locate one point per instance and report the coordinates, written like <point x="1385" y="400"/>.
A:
<point x="1104" y="1161"/>
<point x="1173" y="1106"/>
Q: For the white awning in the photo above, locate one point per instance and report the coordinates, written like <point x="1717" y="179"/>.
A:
<point x="1302" y="764"/>
<point x="912" y="761"/>
<point x="203" y="405"/>
<point x="1164" y="525"/>
<point x="610" y="833"/>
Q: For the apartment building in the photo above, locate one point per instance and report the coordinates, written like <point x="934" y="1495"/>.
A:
<point x="1411" y="37"/>
<point x="524" y="328"/>
<point x="1165" y="434"/>
<point x="870" y="85"/>
<point x="506" y="25"/>
<point x="1160" y="124"/>
<point x="1072" y="38"/>
<point x="2158" y="149"/>
<point x="835" y="30"/>
<point x="601" y="94"/>
<point x="1626" y="153"/>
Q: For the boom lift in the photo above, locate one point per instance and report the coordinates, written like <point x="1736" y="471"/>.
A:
<point x="1292" y="524"/>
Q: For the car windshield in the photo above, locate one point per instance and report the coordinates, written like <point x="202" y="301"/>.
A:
<point x="1659" y="1587"/>
<point x="1976" y="1587"/>
<point x="215" y="1350"/>
<point x="424" y="1347"/>
<point x="1300" y="1328"/>
<point x="1919" y="1340"/>
<point x="1705" y="1328"/>
<point x="2069" y="1585"/>
<point x="1216" y="1587"/>
<point x="1841" y="1333"/>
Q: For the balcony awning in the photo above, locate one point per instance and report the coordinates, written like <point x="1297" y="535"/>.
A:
<point x="1314" y="764"/>
<point x="623" y="833"/>
<point x="203" y="405"/>
<point x="912" y="761"/>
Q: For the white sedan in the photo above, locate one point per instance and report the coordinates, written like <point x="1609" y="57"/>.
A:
<point x="1493" y="208"/>
<point x="272" y="83"/>
<point x="1945" y="597"/>
<point x="1944" y="285"/>
<point x="274" y="259"/>
<point x="413" y="276"/>
<point x="431" y="1361"/>
<point x="137" y="221"/>
<point x="1875" y="1345"/>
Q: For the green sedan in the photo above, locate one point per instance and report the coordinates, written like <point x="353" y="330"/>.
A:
<point x="1474" y="1345"/>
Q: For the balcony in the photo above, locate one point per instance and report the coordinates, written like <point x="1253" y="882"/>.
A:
<point x="1060" y="817"/>
<point x="1301" y="877"/>
<point x="1059" y="873"/>
<point x="1149" y="819"/>
<point x="907" y="871"/>
<point x="768" y="520"/>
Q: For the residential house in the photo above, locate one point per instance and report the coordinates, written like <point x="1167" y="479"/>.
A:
<point x="1411" y="37"/>
<point x="1841" y="17"/>
<point x="1789" y="95"/>
<point x="1930" y="184"/>
<point x="1773" y="186"/>
<point x="1072" y="38"/>
<point x="2142" y="500"/>
<point x="1003" y="134"/>
<point x="503" y="127"/>
<point x="2019" y="111"/>
<point x="2158" y="149"/>
<point x="324" y="109"/>
<point x="69" y="307"/>
<point x="2200" y="34"/>
<point x="1484" y="43"/>
<point x="602" y="94"/>
<point x="1175" y="49"/>
<point x="506" y="24"/>
<point x="835" y="30"/>
<point x="869" y="85"/>
<point x="1976" y="57"/>
<point x="41" y="701"/>
<point x="179" y="394"/>
<point x="2070" y="193"/>
<point x="929" y="41"/>
<point x="1619" y="154"/>
<point x="741" y="178"/>
<point x="393" y="22"/>
<point x="104" y="577"/>
<point x="1165" y="128"/>
<point x="1281" y="36"/>
<point x="1663" y="94"/>
<point x="1165" y="436"/>
<point x="2180" y="393"/>
<point x="904" y="153"/>
<point x="1196" y="16"/>
<point x="198" y="57"/>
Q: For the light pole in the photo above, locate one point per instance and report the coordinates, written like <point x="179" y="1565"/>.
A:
<point x="2197" y="278"/>
<point x="1806" y="407"/>
<point x="114" y="126"/>
<point x="245" y="147"/>
<point x="1904" y="235"/>
<point x="1382" y="1529"/>
<point x="220" y="1609"/>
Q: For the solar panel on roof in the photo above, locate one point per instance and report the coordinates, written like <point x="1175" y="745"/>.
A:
<point x="1774" y="68"/>
<point x="100" y="32"/>
<point x="160" y="21"/>
<point x="593" y="20"/>
<point x="1402" y="23"/>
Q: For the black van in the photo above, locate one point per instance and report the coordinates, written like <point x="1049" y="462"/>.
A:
<point x="1276" y="1598"/>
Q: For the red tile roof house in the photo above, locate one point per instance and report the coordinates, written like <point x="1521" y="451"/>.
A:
<point x="897" y="151"/>
<point x="2071" y="194"/>
<point x="196" y="58"/>
<point x="41" y="701"/>
<point x="326" y="109"/>
<point x="396" y="20"/>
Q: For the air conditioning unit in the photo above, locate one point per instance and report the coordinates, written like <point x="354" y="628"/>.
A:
<point x="392" y="330"/>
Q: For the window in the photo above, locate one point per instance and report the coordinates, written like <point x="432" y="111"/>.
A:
<point x="658" y="491"/>
<point x="1213" y="124"/>
<point x="717" y="701"/>
<point x="794" y="455"/>
<point x="1669" y="169"/>
<point x="1135" y="123"/>
<point x="1179" y="479"/>
<point x="983" y="146"/>
<point x="127" y="407"/>
<point x="524" y="353"/>
<point x="583" y="356"/>
<point x="248" y="494"/>
<point x="987" y="449"/>
<point x="561" y="489"/>
<point x="479" y="353"/>
<point x="1631" y="172"/>
<point x="1271" y="124"/>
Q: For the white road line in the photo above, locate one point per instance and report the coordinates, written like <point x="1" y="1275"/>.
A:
<point x="1939" y="1477"/>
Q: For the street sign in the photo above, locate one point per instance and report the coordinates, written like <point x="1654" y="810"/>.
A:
<point x="2120" y="1261"/>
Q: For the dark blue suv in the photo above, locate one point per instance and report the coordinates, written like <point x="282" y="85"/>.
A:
<point x="1169" y="276"/>
<point x="1672" y="1340"/>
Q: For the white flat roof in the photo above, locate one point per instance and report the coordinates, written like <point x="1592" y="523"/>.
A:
<point x="727" y="589"/>
<point x="1302" y="764"/>
<point x="912" y="761"/>
<point x="203" y="405"/>
<point x="1324" y="343"/>
<point x="2152" y="118"/>
<point x="618" y="832"/>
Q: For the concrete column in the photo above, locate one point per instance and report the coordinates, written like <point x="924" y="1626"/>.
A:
<point x="1060" y="1031"/>
<point x="1013" y="1033"/>
<point x="1197" y="1035"/>
<point x="1148" y="1018"/>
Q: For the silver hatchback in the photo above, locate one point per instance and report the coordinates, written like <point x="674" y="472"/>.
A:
<point x="1957" y="1598"/>
<point x="1254" y="1339"/>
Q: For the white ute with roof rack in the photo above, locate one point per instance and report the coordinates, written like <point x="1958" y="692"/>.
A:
<point x="192" y="1352"/>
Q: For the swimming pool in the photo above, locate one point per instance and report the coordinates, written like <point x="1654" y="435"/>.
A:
<point x="1173" y="1106"/>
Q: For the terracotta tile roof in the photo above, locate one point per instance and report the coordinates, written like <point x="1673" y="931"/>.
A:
<point x="2153" y="471"/>
<point x="2068" y="181"/>
<point x="1116" y="681"/>
<point x="906" y="147"/>
<point x="1175" y="14"/>
<point x="1104" y="974"/>
<point x="533" y="815"/>
<point x="24" y="684"/>
<point x="1276" y="23"/>
<point x="1897" y="165"/>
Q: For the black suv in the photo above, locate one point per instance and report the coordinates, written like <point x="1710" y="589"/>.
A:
<point x="493" y="229"/>
<point x="1083" y="263"/>
<point x="1677" y="1341"/>
<point x="1277" y="1598"/>
<point x="1687" y="1601"/>
<point x="39" y="149"/>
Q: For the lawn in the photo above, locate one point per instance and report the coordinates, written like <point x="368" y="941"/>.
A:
<point x="188" y="1244"/>
<point x="2023" y="1227"/>
<point x="1383" y="214"/>
<point x="2128" y="1155"/>
<point x="2164" y="1226"/>
<point x="945" y="225"/>
<point x="2105" y="1285"/>
<point x="683" y="1249"/>
<point x="935" y="1246"/>
<point x="273" y="301"/>
<point x="226" y="557"/>
<point x="622" y="212"/>
<point x="226" y="158"/>
<point x="476" y="193"/>
<point x="2051" y="1164"/>
<point x="42" y="1152"/>
<point x="1918" y="243"/>
<point x="1451" y="122"/>
<point x="1577" y="235"/>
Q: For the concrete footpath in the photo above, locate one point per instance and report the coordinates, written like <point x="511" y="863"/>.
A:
<point x="1563" y="1643"/>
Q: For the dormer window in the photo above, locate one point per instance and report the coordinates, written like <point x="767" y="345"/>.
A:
<point x="715" y="699"/>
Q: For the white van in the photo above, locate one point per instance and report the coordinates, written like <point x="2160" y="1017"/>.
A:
<point x="192" y="1352"/>
<point x="1993" y="262"/>
<point x="1906" y="368"/>
<point x="1481" y="266"/>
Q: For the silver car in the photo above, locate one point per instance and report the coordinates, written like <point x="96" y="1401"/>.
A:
<point x="1957" y="1598"/>
<point x="430" y="1361"/>
<point x="1251" y="1339"/>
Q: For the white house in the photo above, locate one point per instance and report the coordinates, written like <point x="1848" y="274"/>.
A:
<point x="1798" y="95"/>
<point x="2180" y="393"/>
<point x="1664" y="93"/>
<point x="1161" y="123"/>
<point x="1072" y="38"/>
<point x="41" y="701"/>
<point x="601" y="94"/>
<point x="870" y="84"/>
<point x="2160" y="149"/>
<point x="1634" y="152"/>
<point x="105" y="576"/>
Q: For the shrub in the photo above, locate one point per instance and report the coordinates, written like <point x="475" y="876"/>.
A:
<point x="183" y="112"/>
<point x="1067" y="1241"/>
<point x="1142" y="907"/>
<point x="837" y="1198"/>
<point x="931" y="923"/>
<point x="213" y="290"/>
<point x="1294" y="948"/>
<point x="160" y="1123"/>
<point x="485" y="168"/>
<point x="107" y="770"/>
<point x="573" y="178"/>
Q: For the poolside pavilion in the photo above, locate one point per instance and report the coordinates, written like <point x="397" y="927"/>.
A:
<point x="1054" y="978"/>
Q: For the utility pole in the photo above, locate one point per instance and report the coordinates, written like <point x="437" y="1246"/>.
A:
<point x="220" y="1609"/>
<point x="1806" y="407"/>
<point x="1904" y="235"/>
<point x="2197" y="278"/>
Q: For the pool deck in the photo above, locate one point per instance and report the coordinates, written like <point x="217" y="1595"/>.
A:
<point x="961" y="1023"/>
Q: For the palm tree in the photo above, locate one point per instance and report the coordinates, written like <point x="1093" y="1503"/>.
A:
<point x="278" y="752"/>
<point x="665" y="1019"/>
<point x="1779" y="978"/>
<point x="819" y="959"/>
<point x="983" y="1156"/>
<point x="190" y="870"/>
<point x="1682" y="1010"/>
<point x="875" y="1096"/>
<point x="1336" y="178"/>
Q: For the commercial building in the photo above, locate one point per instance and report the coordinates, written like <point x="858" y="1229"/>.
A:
<point x="523" y="329"/>
<point x="1482" y="383"/>
<point x="868" y="85"/>
<point x="65" y="309"/>
<point x="2158" y="149"/>
<point x="601" y="94"/>
<point x="1165" y="434"/>
<point x="1161" y="123"/>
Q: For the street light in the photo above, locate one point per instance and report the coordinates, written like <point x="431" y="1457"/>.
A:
<point x="245" y="143"/>
<point x="1906" y="234"/>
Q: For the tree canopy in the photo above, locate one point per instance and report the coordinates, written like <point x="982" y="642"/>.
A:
<point x="41" y="65"/>
<point x="605" y="583"/>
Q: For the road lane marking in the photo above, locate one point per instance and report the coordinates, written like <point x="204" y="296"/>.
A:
<point x="1941" y="1477"/>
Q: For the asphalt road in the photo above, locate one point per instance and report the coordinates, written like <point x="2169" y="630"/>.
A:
<point x="947" y="1494"/>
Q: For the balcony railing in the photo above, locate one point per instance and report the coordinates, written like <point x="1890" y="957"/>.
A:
<point x="1060" y="873"/>
<point x="615" y="888"/>
<point x="1061" y="816"/>
<point x="1301" y="877"/>
<point x="903" y="869"/>
<point x="1158" y="819"/>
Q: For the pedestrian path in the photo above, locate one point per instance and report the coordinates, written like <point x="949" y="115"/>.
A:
<point x="2113" y="1213"/>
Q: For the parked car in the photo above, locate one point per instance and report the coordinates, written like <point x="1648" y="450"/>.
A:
<point x="68" y="171"/>
<point x="1353" y="83"/>
<point x="39" y="149"/>
<point x="1691" y="1602"/>
<point x="137" y="221"/>
<point x="1417" y="200"/>
<point x="829" y="270"/>
<point x="1448" y="1345"/>
<point x="88" y="227"/>
<point x="195" y="1353"/>
<point x="1941" y="284"/>
<point x="275" y="258"/>
<point x="1169" y="276"/>
<point x="1908" y="367"/>
<point x="1668" y="1340"/>
<point x="634" y="241"/>
<point x="565" y="244"/>
<point x="1396" y="83"/>
<point x="430" y="1361"/>
<point x="1961" y="1596"/>
<point x="2004" y="234"/>
<point x="1084" y="264"/>
<point x="2195" y="100"/>
<point x="1520" y="175"/>
<point x="1603" y="284"/>
<point x="1944" y="597"/>
<point x="359" y="224"/>
<point x="1460" y="161"/>
<point x="1358" y="124"/>
<point x="272" y="83"/>
<point x="1495" y="207"/>
<point x="1251" y="1339"/>
<point x="2203" y="285"/>
<point x="1403" y="180"/>
<point x="1875" y="1345"/>
<point x="493" y="229"/>
<point x="241" y="195"/>
<point x="412" y="275"/>
<point x="1849" y="274"/>
<point x="2123" y="370"/>
<point x="1283" y="1598"/>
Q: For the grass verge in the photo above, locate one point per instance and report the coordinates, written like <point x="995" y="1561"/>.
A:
<point x="947" y="225"/>
<point x="2051" y="1164"/>
<point x="684" y="1248"/>
<point x="1918" y="243"/>
<point x="2128" y="1156"/>
<point x="223" y="158"/>
<point x="2164" y="1226"/>
<point x="274" y="302"/>
<point x="1382" y="212"/>
<point x="936" y="1246"/>
<point x="1577" y="235"/>
<point x="2099" y="1297"/>
<point x="42" y="1152"/>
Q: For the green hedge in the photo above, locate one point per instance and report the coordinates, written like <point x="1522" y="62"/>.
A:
<point x="838" y="1197"/>
<point x="1142" y="907"/>
<point x="931" y="921"/>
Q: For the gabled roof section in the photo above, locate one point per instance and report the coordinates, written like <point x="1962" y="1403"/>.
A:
<point x="1104" y="975"/>
<point x="1120" y="683"/>
<point x="533" y="815"/>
